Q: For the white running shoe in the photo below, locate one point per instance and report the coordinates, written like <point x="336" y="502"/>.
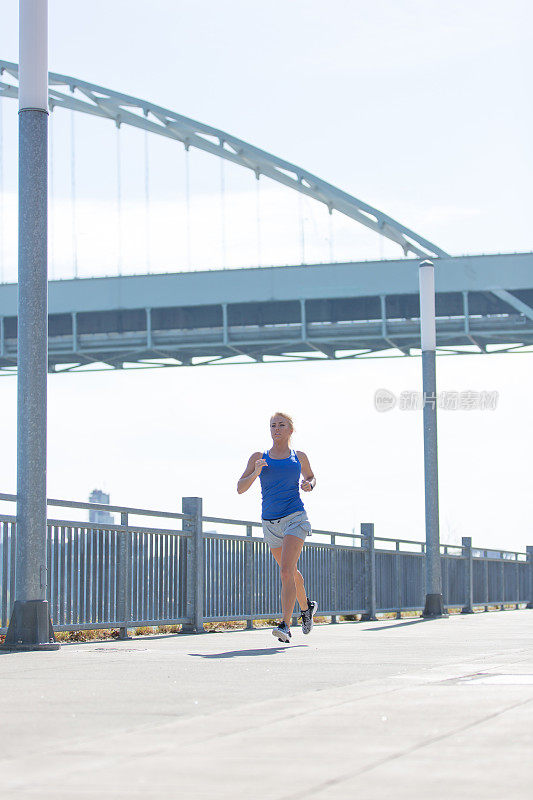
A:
<point x="308" y="614"/>
<point x="282" y="632"/>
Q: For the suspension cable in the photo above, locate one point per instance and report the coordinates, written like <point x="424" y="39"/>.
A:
<point x="331" y="242"/>
<point x="258" y="218"/>
<point x="223" y="210"/>
<point x="302" y="228"/>
<point x="73" y="194"/>
<point x="119" y="204"/>
<point x="147" y="199"/>
<point x="188" y="204"/>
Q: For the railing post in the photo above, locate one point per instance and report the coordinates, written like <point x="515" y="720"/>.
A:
<point x="123" y="577"/>
<point x="334" y="579"/>
<point x="367" y="532"/>
<point x="529" y="551"/>
<point x="486" y="579"/>
<point x="248" y="576"/>
<point x="192" y="524"/>
<point x="468" y="607"/>
<point x="502" y="580"/>
<point x="398" y="579"/>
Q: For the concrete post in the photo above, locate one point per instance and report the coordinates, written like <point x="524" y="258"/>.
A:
<point x="124" y="576"/>
<point x="30" y="626"/>
<point x="367" y="532"/>
<point x="192" y="506"/>
<point x="529" y="551"/>
<point x="434" y="603"/>
<point x="249" y="576"/>
<point x="334" y="559"/>
<point x="502" y="581"/>
<point x="398" y="581"/>
<point x="486" y="580"/>
<point x="468" y="607"/>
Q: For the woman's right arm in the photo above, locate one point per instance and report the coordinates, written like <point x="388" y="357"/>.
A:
<point x="253" y="469"/>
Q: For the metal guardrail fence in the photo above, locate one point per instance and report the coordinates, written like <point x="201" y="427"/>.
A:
<point x="125" y="576"/>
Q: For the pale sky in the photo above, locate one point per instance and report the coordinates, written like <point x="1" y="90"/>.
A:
<point x="417" y="107"/>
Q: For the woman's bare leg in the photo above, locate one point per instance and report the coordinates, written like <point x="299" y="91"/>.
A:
<point x="290" y="552"/>
<point x="301" y="594"/>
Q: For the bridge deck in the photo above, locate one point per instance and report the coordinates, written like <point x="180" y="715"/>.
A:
<point x="403" y="709"/>
<point x="303" y="312"/>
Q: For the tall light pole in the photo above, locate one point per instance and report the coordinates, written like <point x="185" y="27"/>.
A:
<point x="30" y="627"/>
<point x="433" y="604"/>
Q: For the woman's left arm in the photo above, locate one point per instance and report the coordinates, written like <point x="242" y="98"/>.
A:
<point x="309" y="481"/>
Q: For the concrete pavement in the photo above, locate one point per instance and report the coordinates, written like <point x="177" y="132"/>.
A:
<point x="403" y="709"/>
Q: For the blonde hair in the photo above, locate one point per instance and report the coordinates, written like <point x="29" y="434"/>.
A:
<point x="285" y="416"/>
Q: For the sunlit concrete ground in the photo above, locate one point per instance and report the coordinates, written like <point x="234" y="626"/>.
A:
<point x="399" y="709"/>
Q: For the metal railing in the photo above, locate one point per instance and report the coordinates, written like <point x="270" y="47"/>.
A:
<point x="130" y="575"/>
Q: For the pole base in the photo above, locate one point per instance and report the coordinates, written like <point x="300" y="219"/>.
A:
<point x="30" y="627"/>
<point x="434" y="606"/>
<point x="189" y="627"/>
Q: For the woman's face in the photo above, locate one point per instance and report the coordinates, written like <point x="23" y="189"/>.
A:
<point x="280" y="430"/>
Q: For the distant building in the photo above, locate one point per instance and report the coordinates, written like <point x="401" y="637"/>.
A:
<point x="97" y="515"/>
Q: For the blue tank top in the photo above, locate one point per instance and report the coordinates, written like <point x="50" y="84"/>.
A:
<point x="280" y="491"/>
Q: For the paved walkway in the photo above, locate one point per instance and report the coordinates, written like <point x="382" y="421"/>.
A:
<point x="392" y="709"/>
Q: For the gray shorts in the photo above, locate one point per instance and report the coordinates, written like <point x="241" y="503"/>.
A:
<point x="295" y="524"/>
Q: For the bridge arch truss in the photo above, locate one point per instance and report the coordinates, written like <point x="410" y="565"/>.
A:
<point x="124" y="109"/>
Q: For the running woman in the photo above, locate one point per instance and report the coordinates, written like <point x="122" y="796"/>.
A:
<point x="284" y="519"/>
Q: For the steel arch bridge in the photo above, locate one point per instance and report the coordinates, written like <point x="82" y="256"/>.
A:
<point x="126" y="110"/>
<point x="329" y="311"/>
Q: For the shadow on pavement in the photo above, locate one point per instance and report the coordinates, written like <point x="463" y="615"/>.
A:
<point x="263" y="651"/>
<point x="403" y="624"/>
<point x="122" y="642"/>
